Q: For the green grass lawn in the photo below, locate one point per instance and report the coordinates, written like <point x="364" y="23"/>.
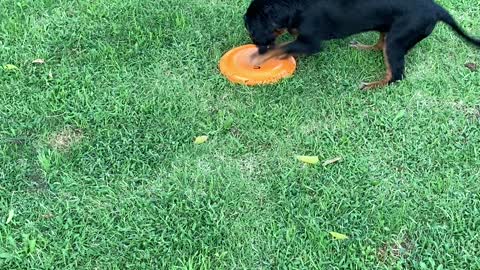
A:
<point x="98" y="165"/>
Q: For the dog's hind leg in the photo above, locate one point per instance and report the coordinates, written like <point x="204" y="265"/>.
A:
<point x="388" y="74"/>
<point x="401" y="39"/>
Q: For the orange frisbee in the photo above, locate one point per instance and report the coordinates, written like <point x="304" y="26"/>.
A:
<point x="236" y="66"/>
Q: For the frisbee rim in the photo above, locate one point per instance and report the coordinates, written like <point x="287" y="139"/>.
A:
<point x="235" y="76"/>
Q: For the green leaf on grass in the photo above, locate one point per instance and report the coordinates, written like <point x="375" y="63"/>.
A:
<point x="338" y="236"/>
<point x="200" y="139"/>
<point x="32" y="243"/>
<point x="9" y="67"/>
<point x="308" y="159"/>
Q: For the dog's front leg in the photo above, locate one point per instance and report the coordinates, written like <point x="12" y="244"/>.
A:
<point x="301" y="46"/>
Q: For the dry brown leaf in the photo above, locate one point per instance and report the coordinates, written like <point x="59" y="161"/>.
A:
<point x="11" y="213"/>
<point x="38" y="61"/>
<point x="332" y="161"/>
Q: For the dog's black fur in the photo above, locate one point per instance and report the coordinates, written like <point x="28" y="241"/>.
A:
<point x="402" y="23"/>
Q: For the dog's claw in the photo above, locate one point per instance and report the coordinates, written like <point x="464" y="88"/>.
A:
<point x="362" y="47"/>
<point x="357" y="45"/>
<point x="364" y="86"/>
<point x="255" y="60"/>
<point x="256" y="63"/>
<point x="374" y="85"/>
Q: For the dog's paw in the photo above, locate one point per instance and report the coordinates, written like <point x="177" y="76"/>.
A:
<point x="256" y="60"/>
<point x="374" y="85"/>
<point x="362" y="47"/>
<point x="364" y="86"/>
<point x="354" y="44"/>
<point x="256" y="63"/>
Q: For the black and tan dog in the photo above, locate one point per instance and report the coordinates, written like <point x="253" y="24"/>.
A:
<point x="401" y="24"/>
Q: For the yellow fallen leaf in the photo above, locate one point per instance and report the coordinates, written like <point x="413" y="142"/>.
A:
<point x="38" y="61"/>
<point x="338" y="236"/>
<point x="10" y="67"/>
<point x="10" y="216"/>
<point x="308" y="159"/>
<point x="331" y="161"/>
<point x="200" y="139"/>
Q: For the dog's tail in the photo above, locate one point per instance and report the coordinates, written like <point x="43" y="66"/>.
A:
<point x="445" y="17"/>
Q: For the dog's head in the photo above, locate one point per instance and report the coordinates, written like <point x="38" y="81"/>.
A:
<point x="260" y="25"/>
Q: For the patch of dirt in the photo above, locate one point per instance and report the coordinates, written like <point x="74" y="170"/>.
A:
<point x="472" y="66"/>
<point x="65" y="139"/>
<point x="396" y="251"/>
<point x="38" y="181"/>
<point x="475" y="114"/>
<point x="48" y="216"/>
<point x="235" y="132"/>
<point x="249" y="165"/>
<point x="472" y="112"/>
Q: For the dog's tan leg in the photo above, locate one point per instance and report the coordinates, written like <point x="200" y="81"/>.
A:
<point x="259" y="59"/>
<point x="388" y="75"/>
